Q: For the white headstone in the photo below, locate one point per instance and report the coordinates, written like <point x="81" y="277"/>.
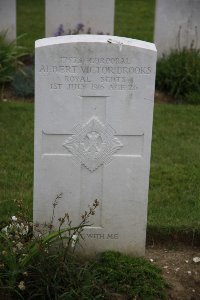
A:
<point x="8" y="18"/>
<point x="177" y="25"/>
<point x="93" y="125"/>
<point x="97" y="15"/>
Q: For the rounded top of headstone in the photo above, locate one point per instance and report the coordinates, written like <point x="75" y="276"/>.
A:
<point x="89" y="38"/>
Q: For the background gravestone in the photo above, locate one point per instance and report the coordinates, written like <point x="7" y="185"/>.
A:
<point x="177" y="25"/>
<point x="93" y="124"/>
<point x="95" y="14"/>
<point x="8" y="18"/>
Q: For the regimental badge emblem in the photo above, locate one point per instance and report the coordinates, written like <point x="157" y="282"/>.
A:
<point x="93" y="144"/>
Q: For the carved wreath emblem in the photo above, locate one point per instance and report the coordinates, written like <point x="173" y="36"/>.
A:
<point x="93" y="144"/>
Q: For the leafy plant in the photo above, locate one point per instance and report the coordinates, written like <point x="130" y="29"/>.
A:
<point x="10" y="60"/>
<point x="23" y="82"/>
<point x="25" y="254"/>
<point x="178" y="74"/>
<point x="10" y="54"/>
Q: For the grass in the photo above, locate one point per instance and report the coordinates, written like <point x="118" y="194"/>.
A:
<point x="174" y="196"/>
<point x="174" y="181"/>
<point x="16" y="147"/>
<point x="128" y="16"/>
<point x="134" y="277"/>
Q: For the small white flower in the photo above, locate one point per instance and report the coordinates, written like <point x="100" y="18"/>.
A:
<point x="20" y="228"/>
<point x="196" y="259"/>
<point x="19" y="246"/>
<point x="14" y="218"/>
<point x="23" y="229"/>
<point x="74" y="238"/>
<point x="5" y="229"/>
<point x="21" y="286"/>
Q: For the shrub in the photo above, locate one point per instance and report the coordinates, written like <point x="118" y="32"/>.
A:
<point x="23" y="82"/>
<point x="178" y="74"/>
<point x="10" y="54"/>
<point x="39" y="264"/>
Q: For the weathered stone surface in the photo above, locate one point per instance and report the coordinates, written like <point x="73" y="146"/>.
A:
<point x="177" y="25"/>
<point x="96" y="15"/>
<point x="93" y="124"/>
<point x="8" y="18"/>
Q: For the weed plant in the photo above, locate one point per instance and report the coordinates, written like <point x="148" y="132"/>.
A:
<point x="10" y="60"/>
<point x="34" y="259"/>
<point x="10" y="54"/>
<point x="178" y="74"/>
<point x="34" y="265"/>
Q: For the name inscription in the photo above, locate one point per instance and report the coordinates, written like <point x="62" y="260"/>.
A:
<point x="103" y="236"/>
<point x="96" y="73"/>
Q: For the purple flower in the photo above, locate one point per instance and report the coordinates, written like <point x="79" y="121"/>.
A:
<point x="80" y="27"/>
<point x="60" y="30"/>
<point x="89" y="31"/>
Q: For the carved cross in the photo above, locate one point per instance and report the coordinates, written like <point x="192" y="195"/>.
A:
<point x="93" y="144"/>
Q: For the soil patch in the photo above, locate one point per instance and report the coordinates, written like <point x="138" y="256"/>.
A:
<point x="178" y="268"/>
